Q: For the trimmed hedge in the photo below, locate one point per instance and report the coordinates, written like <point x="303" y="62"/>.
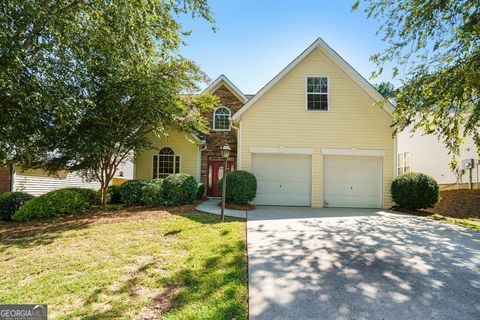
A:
<point x="131" y="192"/>
<point x="415" y="191"/>
<point x="57" y="203"/>
<point x="179" y="189"/>
<point x="153" y="193"/>
<point x="10" y="202"/>
<point x="200" y="190"/>
<point x="241" y="187"/>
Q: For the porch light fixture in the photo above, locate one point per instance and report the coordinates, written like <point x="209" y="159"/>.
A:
<point x="225" y="152"/>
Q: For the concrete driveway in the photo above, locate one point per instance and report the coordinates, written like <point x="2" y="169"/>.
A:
<point x="360" y="264"/>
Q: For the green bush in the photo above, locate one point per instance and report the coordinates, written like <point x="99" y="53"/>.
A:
<point x="57" y="203"/>
<point x="113" y="194"/>
<point x="10" y="202"/>
<point x="415" y="191"/>
<point x="241" y="187"/>
<point x="153" y="193"/>
<point x="200" y="190"/>
<point x="179" y="189"/>
<point x="131" y="192"/>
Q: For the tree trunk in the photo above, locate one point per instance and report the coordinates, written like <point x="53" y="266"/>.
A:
<point x="103" y="193"/>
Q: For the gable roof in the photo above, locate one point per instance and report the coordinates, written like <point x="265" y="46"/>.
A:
<point x="222" y="79"/>
<point x="347" y="68"/>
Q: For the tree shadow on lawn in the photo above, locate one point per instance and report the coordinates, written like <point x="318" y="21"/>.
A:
<point x="45" y="230"/>
<point x="218" y="280"/>
<point x="215" y="288"/>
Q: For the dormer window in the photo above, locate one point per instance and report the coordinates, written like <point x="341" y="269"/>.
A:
<point x="221" y="119"/>
<point x="317" y="93"/>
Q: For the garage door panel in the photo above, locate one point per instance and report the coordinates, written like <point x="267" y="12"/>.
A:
<point x="353" y="181"/>
<point x="282" y="179"/>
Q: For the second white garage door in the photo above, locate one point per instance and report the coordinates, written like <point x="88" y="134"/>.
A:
<point x="282" y="179"/>
<point x="352" y="181"/>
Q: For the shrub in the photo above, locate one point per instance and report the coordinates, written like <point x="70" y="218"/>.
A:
<point x="179" y="189"/>
<point x="241" y="187"/>
<point x="113" y="194"/>
<point x="131" y="192"/>
<point x="153" y="193"/>
<point x="91" y="195"/>
<point x="10" y="202"/>
<point x="415" y="191"/>
<point x="57" y="203"/>
<point x="200" y="190"/>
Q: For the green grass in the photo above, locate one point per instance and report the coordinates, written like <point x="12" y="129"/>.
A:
<point x="470" y="223"/>
<point x="189" y="264"/>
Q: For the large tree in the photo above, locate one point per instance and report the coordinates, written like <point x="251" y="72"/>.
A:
<point x="387" y="89"/>
<point x="82" y="83"/>
<point x="434" y="46"/>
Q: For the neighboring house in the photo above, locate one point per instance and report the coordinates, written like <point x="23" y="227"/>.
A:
<point x="424" y="153"/>
<point x="38" y="182"/>
<point x="316" y="135"/>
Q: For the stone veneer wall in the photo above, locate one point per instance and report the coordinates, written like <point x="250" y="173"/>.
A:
<point x="215" y="139"/>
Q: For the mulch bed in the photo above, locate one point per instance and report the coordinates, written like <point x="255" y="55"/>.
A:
<point x="458" y="204"/>
<point x="16" y="230"/>
<point x="453" y="203"/>
<point x="241" y="207"/>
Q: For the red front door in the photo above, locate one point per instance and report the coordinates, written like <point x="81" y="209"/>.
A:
<point x="215" y="173"/>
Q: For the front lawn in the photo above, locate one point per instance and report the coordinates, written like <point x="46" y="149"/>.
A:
<point x="127" y="264"/>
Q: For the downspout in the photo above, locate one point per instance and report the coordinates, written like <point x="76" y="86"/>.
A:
<point x="239" y="144"/>
<point x="201" y="149"/>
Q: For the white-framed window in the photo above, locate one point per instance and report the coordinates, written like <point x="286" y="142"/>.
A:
<point x="403" y="163"/>
<point x="165" y="163"/>
<point x="221" y="119"/>
<point x="317" y="93"/>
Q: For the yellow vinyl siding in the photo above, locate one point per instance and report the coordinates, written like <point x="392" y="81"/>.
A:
<point x="180" y="143"/>
<point x="280" y="118"/>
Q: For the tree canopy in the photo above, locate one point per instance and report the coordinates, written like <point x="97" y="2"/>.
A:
<point x="82" y="83"/>
<point x="435" y="48"/>
<point x="387" y="89"/>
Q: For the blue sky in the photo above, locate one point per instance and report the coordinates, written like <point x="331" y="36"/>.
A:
<point x="257" y="39"/>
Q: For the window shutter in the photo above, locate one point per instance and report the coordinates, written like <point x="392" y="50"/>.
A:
<point x="155" y="167"/>
<point x="177" y="164"/>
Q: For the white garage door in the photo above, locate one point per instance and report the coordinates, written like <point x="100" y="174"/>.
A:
<point x="282" y="179"/>
<point x="352" y="181"/>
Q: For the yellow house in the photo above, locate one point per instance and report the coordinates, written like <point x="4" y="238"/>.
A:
<point x="318" y="134"/>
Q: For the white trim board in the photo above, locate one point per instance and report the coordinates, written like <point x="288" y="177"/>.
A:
<point x="352" y="152"/>
<point x="222" y="79"/>
<point x="348" y="69"/>
<point x="280" y="149"/>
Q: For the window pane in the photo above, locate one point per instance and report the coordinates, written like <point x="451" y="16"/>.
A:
<point x="323" y="102"/>
<point x="400" y="160"/>
<point x="166" y="151"/>
<point x="165" y="165"/>
<point x="221" y="119"/>
<point x="210" y="178"/>
<point x="313" y="102"/>
<point x="323" y="85"/>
